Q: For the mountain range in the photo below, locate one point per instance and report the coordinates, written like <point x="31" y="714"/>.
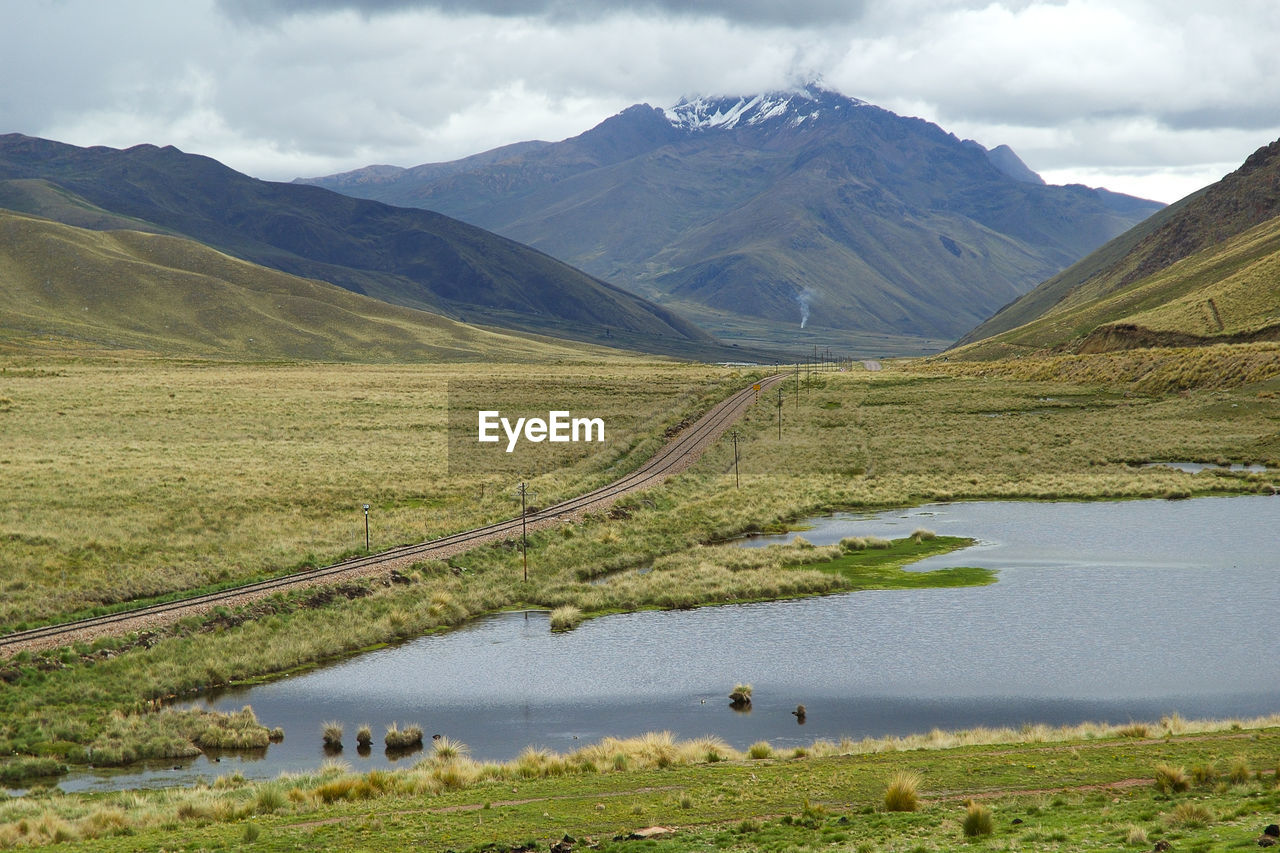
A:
<point x="1204" y="270"/>
<point x="778" y="217"/>
<point x="407" y="257"/>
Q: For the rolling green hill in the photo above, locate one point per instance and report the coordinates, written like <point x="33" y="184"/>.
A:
<point x="1205" y="270"/>
<point x="172" y="296"/>
<point x="412" y="258"/>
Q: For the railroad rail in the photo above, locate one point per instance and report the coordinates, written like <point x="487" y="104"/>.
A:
<point x="675" y="456"/>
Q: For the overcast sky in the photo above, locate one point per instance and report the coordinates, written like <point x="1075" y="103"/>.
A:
<point x="1150" y="97"/>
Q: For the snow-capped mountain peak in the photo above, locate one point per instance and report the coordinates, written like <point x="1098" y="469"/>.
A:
<point x="791" y="108"/>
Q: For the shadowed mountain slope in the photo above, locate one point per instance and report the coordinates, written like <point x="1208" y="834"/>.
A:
<point x="173" y="296"/>
<point x="412" y="258"/>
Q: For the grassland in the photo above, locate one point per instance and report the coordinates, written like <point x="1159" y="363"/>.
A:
<point x="135" y="479"/>
<point x="157" y="476"/>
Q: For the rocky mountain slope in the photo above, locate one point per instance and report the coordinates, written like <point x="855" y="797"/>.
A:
<point x="777" y="215"/>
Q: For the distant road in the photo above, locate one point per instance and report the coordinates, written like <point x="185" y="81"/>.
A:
<point x="871" y="364"/>
<point x="677" y="455"/>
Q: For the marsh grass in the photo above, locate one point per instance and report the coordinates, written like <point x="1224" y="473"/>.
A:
<point x="397" y="738"/>
<point x="733" y="793"/>
<point x="331" y="733"/>
<point x="978" y="820"/>
<point x="565" y="618"/>
<point x="446" y="748"/>
<point x="1171" y="779"/>
<point x="902" y="793"/>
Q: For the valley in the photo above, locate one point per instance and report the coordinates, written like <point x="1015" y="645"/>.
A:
<point x="1044" y="417"/>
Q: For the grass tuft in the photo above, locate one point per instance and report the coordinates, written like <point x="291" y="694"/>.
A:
<point x="1239" y="772"/>
<point x="565" y="618"/>
<point x="977" y="820"/>
<point x="407" y="738"/>
<point x="903" y="792"/>
<point x="445" y="748"/>
<point x="1171" y="780"/>
<point x="1189" y="816"/>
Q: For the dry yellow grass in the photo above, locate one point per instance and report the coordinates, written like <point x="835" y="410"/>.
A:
<point x="136" y="478"/>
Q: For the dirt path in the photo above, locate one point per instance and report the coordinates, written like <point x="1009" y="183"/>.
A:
<point x="685" y="448"/>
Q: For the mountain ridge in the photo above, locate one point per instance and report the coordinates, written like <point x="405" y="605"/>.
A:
<point x="734" y="209"/>
<point x="415" y="258"/>
<point x="165" y="295"/>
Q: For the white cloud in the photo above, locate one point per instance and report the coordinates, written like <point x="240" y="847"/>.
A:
<point x="1129" y="90"/>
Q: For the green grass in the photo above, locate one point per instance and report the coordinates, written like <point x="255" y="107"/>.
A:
<point x="133" y="489"/>
<point x="1201" y="270"/>
<point x="1073" y="790"/>
<point x="882" y="568"/>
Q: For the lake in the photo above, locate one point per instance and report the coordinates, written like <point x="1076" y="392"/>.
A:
<point x="1107" y="611"/>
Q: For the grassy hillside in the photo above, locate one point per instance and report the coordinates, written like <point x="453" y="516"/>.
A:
<point x="1227" y="293"/>
<point x="168" y="295"/>
<point x="1049" y="293"/>
<point x="414" y="258"/>
<point x="1202" y="271"/>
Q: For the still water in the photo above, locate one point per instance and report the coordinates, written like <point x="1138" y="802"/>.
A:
<point x="1102" y="611"/>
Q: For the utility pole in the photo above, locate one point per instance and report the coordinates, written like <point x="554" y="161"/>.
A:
<point x="736" y="484"/>
<point x="779" y="414"/>
<point x="523" y="489"/>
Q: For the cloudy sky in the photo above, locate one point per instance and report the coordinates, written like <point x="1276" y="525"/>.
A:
<point x="1150" y="97"/>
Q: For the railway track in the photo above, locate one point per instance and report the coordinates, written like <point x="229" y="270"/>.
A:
<point x="674" y="457"/>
